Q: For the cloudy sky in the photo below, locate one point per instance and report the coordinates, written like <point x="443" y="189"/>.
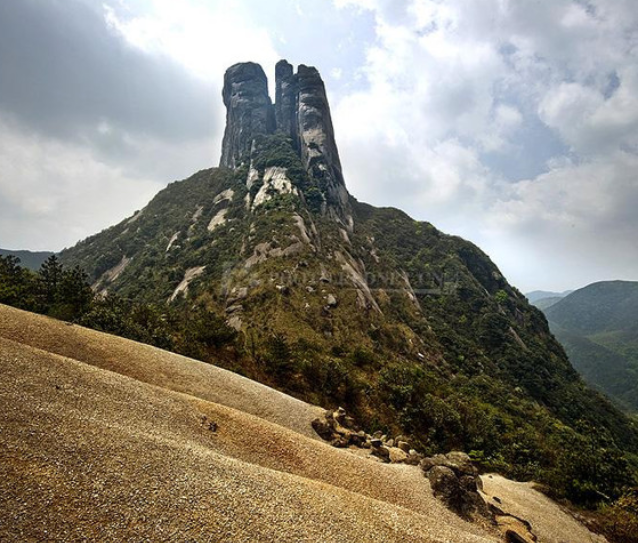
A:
<point x="513" y="123"/>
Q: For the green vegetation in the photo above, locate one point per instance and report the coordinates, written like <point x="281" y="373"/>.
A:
<point x="53" y="291"/>
<point x="437" y="346"/>
<point x="619" y="521"/>
<point x="598" y="327"/>
<point x="31" y="260"/>
<point x="65" y="294"/>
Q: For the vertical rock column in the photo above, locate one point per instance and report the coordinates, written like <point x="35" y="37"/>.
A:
<point x="249" y="111"/>
<point x="286" y="101"/>
<point x="317" y="145"/>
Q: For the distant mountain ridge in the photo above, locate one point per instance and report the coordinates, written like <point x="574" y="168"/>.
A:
<point x="536" y="295"/>
<point x="28" y="259"/>
<point x="598" y="326"/>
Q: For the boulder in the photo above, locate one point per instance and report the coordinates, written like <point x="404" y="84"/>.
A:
<point x="381" y="452"/>
<point x="323" y="429"/>
<point x="454" y="479"/>
<point x="414" y="458"/>
<point x="445" y="485"/>
<point x="339" y="415"/>
<point x="457" y="461"/>
<point x="397" y="456"/>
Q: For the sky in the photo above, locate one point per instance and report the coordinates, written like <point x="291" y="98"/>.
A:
<point x="511" y="123"/>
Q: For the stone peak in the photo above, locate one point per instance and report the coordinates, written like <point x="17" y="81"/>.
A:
<point x="301" y="112"/>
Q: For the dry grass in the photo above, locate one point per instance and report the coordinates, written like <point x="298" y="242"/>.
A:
<point x="103" y="439"/>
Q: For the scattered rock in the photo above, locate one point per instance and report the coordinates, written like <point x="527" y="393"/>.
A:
<point x="235" y="322"/>
<point x="323" y="429"/>
<point x="397" y="456"/>
<point x="341" y="431"/>
<point x="211" y="425"/>
<point x="414" y="458"/>
<point x="340" y="415"/>
<point x="331" y="300"/>
<point x="237" y="294"/>
<point x="381" y="452"/>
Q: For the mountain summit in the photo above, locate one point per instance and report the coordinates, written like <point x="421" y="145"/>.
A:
<point x="339" y="303"/>
<point x="301" y="113"/>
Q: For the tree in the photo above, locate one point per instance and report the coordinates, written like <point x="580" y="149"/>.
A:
<point x="50" y="275"/>
<point x="16" y="284"/>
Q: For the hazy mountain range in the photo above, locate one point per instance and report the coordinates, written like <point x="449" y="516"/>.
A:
<point x="28" y="259"/>
<point x="598" y="326"/>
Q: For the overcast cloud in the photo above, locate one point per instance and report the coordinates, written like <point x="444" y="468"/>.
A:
<point x="511" y="123"/>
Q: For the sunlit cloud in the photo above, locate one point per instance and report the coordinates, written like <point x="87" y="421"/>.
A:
<point x="514" y="124"/>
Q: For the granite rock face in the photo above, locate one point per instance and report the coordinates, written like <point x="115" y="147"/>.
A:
<point x="317" y="144"/>
<point x="301" y="112"/>
<point x="249" y="111"/>
<point x="286" y="101"/>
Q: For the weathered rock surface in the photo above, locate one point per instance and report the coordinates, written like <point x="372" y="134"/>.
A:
<point x="249" y="111"/>
<point x="318" y="148"/>
<point x="301" y="112"/>
<point x="454" y="480"/>
<point x="286" y="100"/>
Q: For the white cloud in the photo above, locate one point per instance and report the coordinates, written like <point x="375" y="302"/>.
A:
<point x="204" y="37"/>
<point x="53" y="193"/>
<point x="435" y="105"/>
<point x="588" y="121"/>
<point x="576" y="224"/>
<point x="456" y="81"/>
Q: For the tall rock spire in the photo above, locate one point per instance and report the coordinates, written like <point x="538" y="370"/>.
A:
<point x="286" y="91"/>
<point x="249" y="111"/>
<point x="317" y="145"/>
<point x="301" y="112"/>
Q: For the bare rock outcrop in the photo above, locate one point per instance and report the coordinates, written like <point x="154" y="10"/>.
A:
<point x="301" y="112"/>
<point x="286" y="100"/>
<point x="455" y="481"/>
<point x="317" y="143"/>
<point x="249" y="111"/>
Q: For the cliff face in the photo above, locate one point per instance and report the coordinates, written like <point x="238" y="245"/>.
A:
<point x="286" y="101"/>
<point x="249" y="111"/>
<point x="301" y="112"/>
<point x="317" y="144"/>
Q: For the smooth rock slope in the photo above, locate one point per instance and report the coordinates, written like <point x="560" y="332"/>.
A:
<point x="105" y="439"/>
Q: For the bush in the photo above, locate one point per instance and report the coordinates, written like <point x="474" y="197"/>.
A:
<point x="619" y="521"/>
